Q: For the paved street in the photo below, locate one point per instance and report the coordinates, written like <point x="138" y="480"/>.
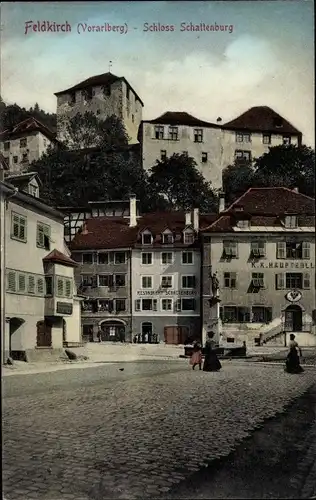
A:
<point x="98" y="433"/>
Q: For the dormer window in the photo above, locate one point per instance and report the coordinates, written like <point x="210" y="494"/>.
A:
<point x="33" y="190"/>
<point x="278" y="122"/>
<point x="167" y="237"/>
<point x="238" y="208"/>
<point x="286" y="140"/>
<point x="290" y="221"/>
<point x="243" y="224"/>
<point x="188" y="237"/>
<point x="147" y="238"/>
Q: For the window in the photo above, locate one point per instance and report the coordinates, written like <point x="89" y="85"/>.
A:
<point x="167" y="238"/>
<point x="72" y="98"/>
<point x="266" y="139"/>
<point x="188" y="237"/>
<point x="98" y="111"/>
<point x="147" y="258"/>
<point x="292" y="281"/>
<point x="296" y="250"/>
<point x="33" y="190"/>
<point x="166" y="281"/>
<point x="43" y="236"/>
<point x="127" y="93"/>
<point x="119" y="257"/>
<point x="242" y="155"/>
<point x="185" y="153"/>
<point x="166" y="304"/>
<point x="257" y="249"/>
<point x="290" y="221"/>
<point x="159" y="132"/>
<point x="87" y="280"/>
<point x="120" y="305"/>
<point x="106" y="90"/>
<point x="167" y="257"/>
<point x="11" y="281"/>
<point x="230" y="250"/>
<point x="173" y="133"/>
<point x="25" y="158"/>
<point x="147" y="238"/>
<point x="257" y="280"/>
<point x="120" y="279"/>
<point x="23" y="142"/>
<point x="243" y="223"/>
<point x="31" y="284"/>
<point x="148" y="305"/>
<point x="105" y="280"/>
<point x="60" y="287"/>
<point x="230" y="280"/>
<point x="187" y="304"/>
<point x="147" y="281"/>
<point x="261" y="314"/>
<point x="187" y="257"/>
<point x="198" y="135"/>
<point x="48" y="285"/>
<point x="286" y="140"/>
<point x="105" y="305"/>
<point x="188" y="281"/>
<point x="15" y="159"/>
<point x="7" y="146"/>
<point x="103" y="258"/>
<point x="87" y="94"/>
<point x="87" y="258"/>
<point x="204" y="158"/>
<point x="22" y="283"/>
<point x="163" y="154"/>
<point x="243" y="137"/>
<point x="40" y="286"/>
<point x="234" y="314"/>
<point x="18" y="227"/>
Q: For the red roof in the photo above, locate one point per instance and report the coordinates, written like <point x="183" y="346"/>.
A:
<point x="99" y="80"/>
<point x="180" y="118"/>
<point x="262" y="119"/>
<point x="266" y="207"/>
<point x="114" y="232"/>
<point x="60" y="258"/>
<point x="27" y="126"/>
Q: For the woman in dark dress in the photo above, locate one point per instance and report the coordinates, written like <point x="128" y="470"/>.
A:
<point x="292" y="364"/>
<point x="211" y="361"/>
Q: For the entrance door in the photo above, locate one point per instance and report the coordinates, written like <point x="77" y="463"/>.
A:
<point x="176" y="334"/>
<point x="147" y="332"/>
<point x="293" y="319"/>
<point x="44" y="334"/>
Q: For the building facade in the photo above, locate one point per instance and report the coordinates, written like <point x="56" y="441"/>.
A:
<point x="24" y="143"/>
<point x="261" y="253"/>
<point x="179" y="132"/>
<point x="40" y="306"/>
<point x="103" y="95"/>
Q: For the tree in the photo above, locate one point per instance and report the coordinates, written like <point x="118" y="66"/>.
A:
<point x="179" y="182"/>
<point x="12" y="114"/>
<point x="237" y="178"/>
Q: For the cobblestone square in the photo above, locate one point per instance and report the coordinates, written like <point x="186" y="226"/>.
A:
<point x="103" y="433"/>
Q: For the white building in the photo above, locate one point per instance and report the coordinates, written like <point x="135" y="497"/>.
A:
<point x="24" y="143"/>
<point x="40" y="312"/>
<point x="179" y="132"/>
<point x="104" y="95"/>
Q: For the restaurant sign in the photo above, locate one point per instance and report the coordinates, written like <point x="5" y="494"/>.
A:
<point x="64" y="308"/>
<point x="283" y="265"/>
<point x="167" y="292"/>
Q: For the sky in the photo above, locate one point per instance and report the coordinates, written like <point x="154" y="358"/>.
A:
<point x="267" y="59"/>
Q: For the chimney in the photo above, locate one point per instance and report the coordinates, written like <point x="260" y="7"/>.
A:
<point x="219" y="120"/>
<point x="221" y="206"/>
<point x="196" y="222"/>
<point x="132" y="211"/>
<point x="296" y="190"/>
<point x="188" y="219"/>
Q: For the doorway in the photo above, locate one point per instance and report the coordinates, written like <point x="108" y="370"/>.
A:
<point x="44" y="333"/>
<point x="293" y="319"/>
<point x="147" y="332"/>
<point x="112" y="331"/>
<point x="176" y="334"/>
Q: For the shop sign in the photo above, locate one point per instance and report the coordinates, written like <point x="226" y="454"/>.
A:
<point x="293" y="296"/>
<point x="64" y="308"/>
<point x="167" y="292"/>
<point x="283" y="265"/>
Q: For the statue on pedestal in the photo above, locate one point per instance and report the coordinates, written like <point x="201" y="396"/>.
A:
<point x="215" y="285"/>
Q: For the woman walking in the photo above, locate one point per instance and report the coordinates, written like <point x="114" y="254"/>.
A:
<point x="292" y="364"/>
<point x="196" y="358"/>
<point x="211" y="361"/>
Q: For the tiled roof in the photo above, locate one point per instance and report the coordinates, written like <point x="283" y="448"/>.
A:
<point x="98" y="80"/>
<point x="262" y="119"/>
<point x="180" y="118"/>
<point x="4" y="162"/>
<point x="27" y="126"/>
<point x="114" y="232"/>
<point x="59" y="258"/>
<point x="266" y="207"/>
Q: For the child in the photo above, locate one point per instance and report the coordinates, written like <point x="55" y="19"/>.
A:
<point x="196" y="358"/>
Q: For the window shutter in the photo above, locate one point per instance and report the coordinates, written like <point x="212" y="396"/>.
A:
<point x="11" y="284"/>
<point x="306" y="281"/>
<point x="221" y="311"/>
<point x="31" y="284"/>
<point x="178" y="305"/>
<point x="40" y="236"/>
<point x="40" y="286"/>
<point x="137" y="305"/>
<point x="154" y="304"/>
<point x="280" y="281"/>
<point x="68" y="288"/>
<point x="60" y="287"/>
<point x="22" y="283"/>
<point x="193" y="304"/>
<point x="306" y="250"/>
<point x="281" y="247"/>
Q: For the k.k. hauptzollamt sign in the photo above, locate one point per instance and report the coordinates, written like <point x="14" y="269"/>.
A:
<point x="284" y="265"/>
<point x="64" y="308"/>
<point x="167" y="292"/>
